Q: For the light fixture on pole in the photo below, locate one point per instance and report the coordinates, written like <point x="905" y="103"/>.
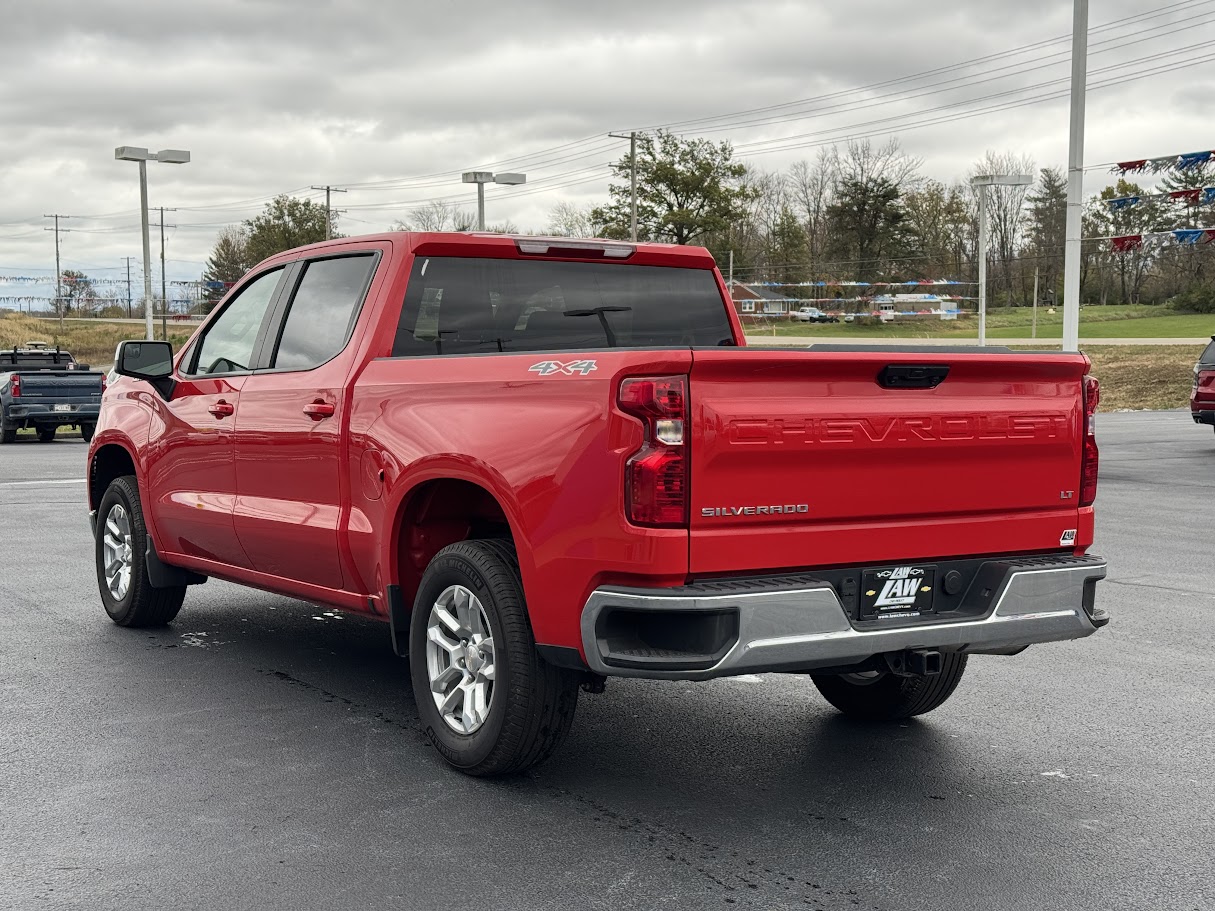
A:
<point x="981" y="183"/>
<point x="143" y="156"/>
<point x="481" y="178"/>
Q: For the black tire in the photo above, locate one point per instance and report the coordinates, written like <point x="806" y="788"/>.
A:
<point x="532" y="703"/>
<point x="141" y="605"/>
<point x="889" y="697"/>
<point x="86" y="431"/>
<point x="8" y="434"/>
<point x="46" y="434"/>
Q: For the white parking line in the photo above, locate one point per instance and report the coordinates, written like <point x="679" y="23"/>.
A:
<point x="40" y="483"/>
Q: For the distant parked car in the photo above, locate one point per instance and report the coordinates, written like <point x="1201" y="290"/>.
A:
<point x="1202" y="398"/>
<point x="814" y="315"/>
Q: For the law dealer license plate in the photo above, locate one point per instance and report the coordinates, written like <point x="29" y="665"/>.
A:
<point x="897" y="591"/>
<point x="61" y="408"/>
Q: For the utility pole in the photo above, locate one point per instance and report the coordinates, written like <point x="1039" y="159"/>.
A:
<point x="58" y="276"/>
<point x="1075" y="179"/>
<point x="632" y="138"/>
<point x="328" y="212"/>
<point x="164" y="293"/>
<point x="128" y="259"/>
<point x="730" y="282"/>
<point x="1034" y="331"/>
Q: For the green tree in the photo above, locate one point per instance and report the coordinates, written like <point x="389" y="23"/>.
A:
<point x="229" y="260"/>
<point x="1046" y="227"/>
<point x="686" y="190"/>
<point x="1131" y="269"/>
<point x="788" y="246"/>
<point x="286" y="222"/>
<point x="78" y="293"/>
<point x="868" y="224"/>
<point x="940" y="228"/>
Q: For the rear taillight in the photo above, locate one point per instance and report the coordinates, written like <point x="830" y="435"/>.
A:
<point x="656" y="476"/>
<point x="1088" y="464"/>
<point x="14" y="387"/>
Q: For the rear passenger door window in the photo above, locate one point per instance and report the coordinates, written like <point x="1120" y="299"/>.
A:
<point x="322" y="311"/>
<point x="231" y="340"/>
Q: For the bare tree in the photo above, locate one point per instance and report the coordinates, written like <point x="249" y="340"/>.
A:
<point x="437" y="215"/>
<point x="569" y="220"/>
<point x="812" y="189"/>
<point x="1004" y="209"/>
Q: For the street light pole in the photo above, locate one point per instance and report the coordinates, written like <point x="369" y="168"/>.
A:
<point x="1075" y="179"/>
<point x="143" y="156"/>
<point x="982" y="265"/>
<point x="981" y="183"/>
<point x="481" y="178"/>
<point x="148" y="325"/>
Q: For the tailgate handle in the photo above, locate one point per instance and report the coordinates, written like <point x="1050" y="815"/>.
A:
<point x="912" y="376"/>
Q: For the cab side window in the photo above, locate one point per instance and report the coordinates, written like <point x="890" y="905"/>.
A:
<point x="322" y="312"/>
<point x="228" y="345"/>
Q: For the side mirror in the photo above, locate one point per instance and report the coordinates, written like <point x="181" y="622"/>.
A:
<point x="150" y="361"/>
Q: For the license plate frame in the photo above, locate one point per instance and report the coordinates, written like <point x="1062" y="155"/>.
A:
<point x="897" y="592"/>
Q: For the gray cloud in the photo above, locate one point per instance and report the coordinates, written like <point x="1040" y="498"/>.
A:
<point x="276" y="96"/>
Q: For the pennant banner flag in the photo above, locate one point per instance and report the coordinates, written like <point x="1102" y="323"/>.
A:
<point x="1192" y="160"/>
<point x="1127" y="243"/>
<point x="1188" y="236"/>
<point x="1185" y="162"/>
<point x="1123" y="202"/>
<point x="1191" y="195"/>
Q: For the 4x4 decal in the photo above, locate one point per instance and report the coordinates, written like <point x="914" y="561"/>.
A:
<point x="549" y="368"/>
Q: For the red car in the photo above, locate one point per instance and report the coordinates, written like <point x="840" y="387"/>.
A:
<point x="543" y="462"/>
<point x="1202" y="397"/>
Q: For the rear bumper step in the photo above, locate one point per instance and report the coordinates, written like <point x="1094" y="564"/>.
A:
<point x="799" y="623"/>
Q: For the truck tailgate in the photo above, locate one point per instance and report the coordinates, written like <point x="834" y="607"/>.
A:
<point x="61" y="385"/>
<point x="805" y="458"/>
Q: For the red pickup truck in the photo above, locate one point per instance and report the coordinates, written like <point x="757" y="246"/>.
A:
<point x="544" y="462"/>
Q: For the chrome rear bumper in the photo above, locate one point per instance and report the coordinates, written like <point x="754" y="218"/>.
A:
<point x="799" y="623"/>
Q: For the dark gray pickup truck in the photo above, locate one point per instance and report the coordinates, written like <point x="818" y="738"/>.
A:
<point x="44" y="388"/>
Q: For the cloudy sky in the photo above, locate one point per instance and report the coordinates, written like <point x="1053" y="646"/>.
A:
<point x="394" y="99"/>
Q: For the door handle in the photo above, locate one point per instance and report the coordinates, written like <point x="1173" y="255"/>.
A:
<point x="319" y="409"/>
<point x="222" y="409"/>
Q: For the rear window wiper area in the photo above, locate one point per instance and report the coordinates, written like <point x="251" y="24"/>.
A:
<point x="601" y="313"/>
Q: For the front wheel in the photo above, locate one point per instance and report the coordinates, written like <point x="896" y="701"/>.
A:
<point x="122" y="574"/>
<point x="86" y="431"/>
<point x="883" y="696"/>
<point x="486" y="699"/>
<point x="46" y="434"/>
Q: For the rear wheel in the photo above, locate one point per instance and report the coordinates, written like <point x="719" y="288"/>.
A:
<point x="487" y="700"/>
<point x="122" y="574"/>
<point x="46" y="434"/>
<point x="883" y="696"/>
<point x="86" y="431"/>
<point x="8" y="433"/>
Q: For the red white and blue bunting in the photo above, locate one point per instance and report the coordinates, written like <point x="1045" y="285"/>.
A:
<point x="1182" y="237"/>
<point x="1194" y="196"/>
<point x="1187" y="161"/>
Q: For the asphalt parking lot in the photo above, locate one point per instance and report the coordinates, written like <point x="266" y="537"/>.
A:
<point x="262" y="753"/>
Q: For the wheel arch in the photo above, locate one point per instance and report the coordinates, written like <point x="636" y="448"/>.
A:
<point x="440" y="506"/>
<point x="109" y="461"/>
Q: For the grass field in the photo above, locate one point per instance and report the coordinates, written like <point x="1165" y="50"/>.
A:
<point x="90" y="343"/>
<point x="1138" y="321"/>
<point x="1141" y="376"/>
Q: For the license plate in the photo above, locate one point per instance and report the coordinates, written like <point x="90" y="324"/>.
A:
<point x="61" y="408"/>
<point x="897" y="592"/>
